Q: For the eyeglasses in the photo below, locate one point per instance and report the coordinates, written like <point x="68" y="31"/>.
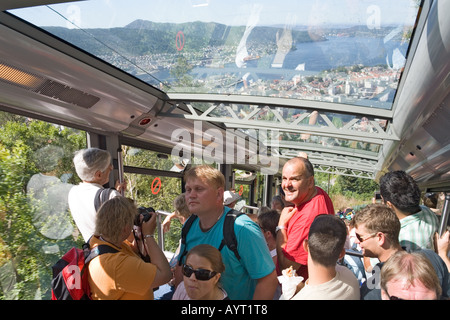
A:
<point x="362" y="239"/>
<point x="200" y="274"/>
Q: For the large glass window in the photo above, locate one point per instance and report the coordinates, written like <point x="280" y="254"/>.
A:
<point x="150" y="184"/>
<point x="350" y="52"/>
<point x="36" y="227"/>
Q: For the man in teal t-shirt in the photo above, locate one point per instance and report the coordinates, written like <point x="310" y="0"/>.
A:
<point x="254" y="275"/>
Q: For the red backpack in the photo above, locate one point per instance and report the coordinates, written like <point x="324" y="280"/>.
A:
<point x="70" y="273"/>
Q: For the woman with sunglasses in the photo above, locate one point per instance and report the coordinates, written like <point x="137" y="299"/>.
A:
<point x="201" y="274"/>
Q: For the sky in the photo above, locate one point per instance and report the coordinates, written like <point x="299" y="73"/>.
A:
<point x="119" y="13"/>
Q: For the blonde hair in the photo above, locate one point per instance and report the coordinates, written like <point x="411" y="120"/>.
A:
<point x="411" y="267"/>
<point x="114" y="216"/>
<point x="207" y="174"/>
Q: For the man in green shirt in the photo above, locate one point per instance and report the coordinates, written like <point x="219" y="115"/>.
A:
<point x="418" y="223"/>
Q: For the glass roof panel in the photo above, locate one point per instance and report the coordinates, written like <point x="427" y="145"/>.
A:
<point x="350" y="52"/>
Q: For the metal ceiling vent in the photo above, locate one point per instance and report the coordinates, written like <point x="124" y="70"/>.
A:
<point x="55" y="90"/>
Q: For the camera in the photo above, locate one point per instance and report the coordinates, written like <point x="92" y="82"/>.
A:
<point x="146" y="213"/>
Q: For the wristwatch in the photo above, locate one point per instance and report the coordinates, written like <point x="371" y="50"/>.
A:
<point x="278" y="228"/>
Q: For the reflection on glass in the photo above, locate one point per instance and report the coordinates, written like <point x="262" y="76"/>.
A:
<point x="300" y="119"/>
<point x="349" y="52"/>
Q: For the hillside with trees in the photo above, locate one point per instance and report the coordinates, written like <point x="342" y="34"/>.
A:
<point x="142" y="37"/>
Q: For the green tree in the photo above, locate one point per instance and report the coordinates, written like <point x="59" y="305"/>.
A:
<point x="26" y="256"/>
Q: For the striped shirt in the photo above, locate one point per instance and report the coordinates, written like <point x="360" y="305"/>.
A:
<point x="417" y="230"/>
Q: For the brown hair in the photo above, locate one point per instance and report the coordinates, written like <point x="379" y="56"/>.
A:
<point x="210" y="253"/>
<point x="326" y="239"/>
<point x="379" y="218"/>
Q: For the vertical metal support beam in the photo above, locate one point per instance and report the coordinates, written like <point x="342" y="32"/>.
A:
<point x="268" y="190"/>
<point x="233" y="179"/>
<point x="159" y="227"/>
<point x="112" y="145"/>
<point x="120" y="168"/>
<point x="227" y="171"/>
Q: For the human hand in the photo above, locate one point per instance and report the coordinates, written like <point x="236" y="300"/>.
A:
<point x="286" y="215"/>
<point x="121" y="187"/>
<point x="149" y="227"/>
<point x="167" y="221"/>
<point x="442" y="244"/>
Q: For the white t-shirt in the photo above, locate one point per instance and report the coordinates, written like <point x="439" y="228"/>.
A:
<point x="344" y="286"/>
<point x="81" y="204"/>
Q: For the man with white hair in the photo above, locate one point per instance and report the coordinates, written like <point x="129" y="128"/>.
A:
<point x="93" y="167"/>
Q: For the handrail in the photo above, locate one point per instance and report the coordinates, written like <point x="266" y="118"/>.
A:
<point x="354" y="253"/>
<point x="249" y="207"/>
<point x="444" y="216"/>
<point x="159" y="226"/>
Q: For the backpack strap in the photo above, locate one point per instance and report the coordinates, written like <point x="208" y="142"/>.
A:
<point x="101" y="196"/>
<point x="99" y="250"/>
<point x="90" y="254"/>
<point x="184" y="231"/>
<point x="229" y="236"/>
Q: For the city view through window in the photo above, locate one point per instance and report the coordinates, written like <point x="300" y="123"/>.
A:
<point x="351" y="52"/>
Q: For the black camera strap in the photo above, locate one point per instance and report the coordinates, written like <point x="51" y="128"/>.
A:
<point x="141" y="245"/>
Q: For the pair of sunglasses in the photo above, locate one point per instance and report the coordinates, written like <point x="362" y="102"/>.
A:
<point x="200" y="274"/>
<point x="362" y="239"/>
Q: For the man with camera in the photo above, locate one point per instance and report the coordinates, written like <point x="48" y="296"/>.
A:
<point x="137" y="238"/>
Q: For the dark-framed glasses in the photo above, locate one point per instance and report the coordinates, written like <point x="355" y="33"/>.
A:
<point x="200" y="274"/>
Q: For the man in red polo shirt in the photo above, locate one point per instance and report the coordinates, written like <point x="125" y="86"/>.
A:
<point x="293" y="227"/>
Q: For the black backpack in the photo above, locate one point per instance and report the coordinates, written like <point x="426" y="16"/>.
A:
<point x="229" y="237"/>
<point x="101" y="196"/>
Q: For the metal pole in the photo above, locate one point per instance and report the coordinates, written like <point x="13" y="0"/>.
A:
<point x="120" y="168"/>
<point x="159" y="226"/>
<point x="445" y="214"/>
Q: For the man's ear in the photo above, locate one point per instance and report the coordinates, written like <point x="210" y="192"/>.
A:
<point x="305" y="245"/>
<point x="389" y="204"/>
<point x="342" y="254"/>
<point x="220" y="192"/>
<point x="97" y="176"/>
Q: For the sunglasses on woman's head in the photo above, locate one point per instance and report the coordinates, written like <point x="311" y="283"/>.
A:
<point x="200" y="274"/>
